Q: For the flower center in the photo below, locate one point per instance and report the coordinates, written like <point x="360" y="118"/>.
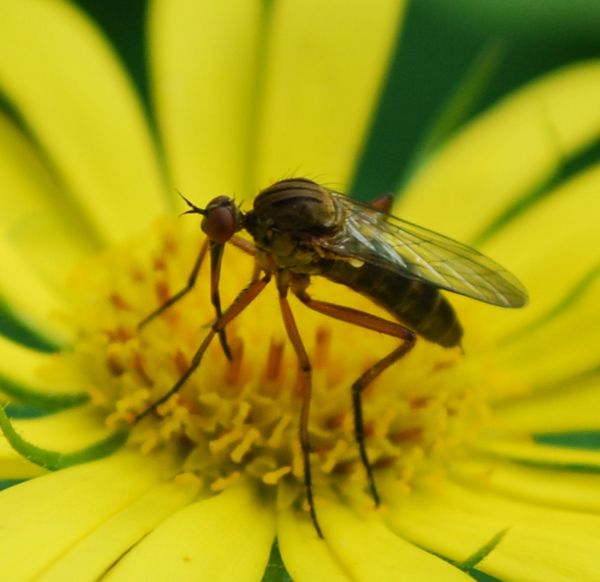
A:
<point x="242" y="417"/>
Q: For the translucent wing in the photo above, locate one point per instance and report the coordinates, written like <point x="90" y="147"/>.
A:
<point x="418" y="253"/>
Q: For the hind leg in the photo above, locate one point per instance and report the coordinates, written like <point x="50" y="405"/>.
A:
<point x="374" y="323"/>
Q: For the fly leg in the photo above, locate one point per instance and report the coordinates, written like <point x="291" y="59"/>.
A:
<point x="188" y="287"/>
<point x="245" y="297"/>
<point x="216" y="255"/>
<point x="244" y="245"/>
<point x="374" y="323"/>
<point x="383" y="203"/>
<point x="306" y="390"/>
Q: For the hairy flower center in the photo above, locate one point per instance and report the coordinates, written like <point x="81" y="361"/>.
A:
<point x="242" y="417"/>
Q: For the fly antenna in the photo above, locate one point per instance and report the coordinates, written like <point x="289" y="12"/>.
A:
<point x="193" y="208"/>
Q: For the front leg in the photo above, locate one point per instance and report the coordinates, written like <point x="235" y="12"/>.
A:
<point x="244" y="298"/>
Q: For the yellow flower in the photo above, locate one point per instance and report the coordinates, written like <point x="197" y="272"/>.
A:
<point x="464" y="446"/>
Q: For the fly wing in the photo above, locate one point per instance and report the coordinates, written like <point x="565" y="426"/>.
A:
<point x="418" y="253"/>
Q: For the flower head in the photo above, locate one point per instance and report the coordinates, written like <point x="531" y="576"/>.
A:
<point x="460" y="440"/>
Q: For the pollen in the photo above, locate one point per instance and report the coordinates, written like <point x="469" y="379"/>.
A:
<point x="240" y="418"/>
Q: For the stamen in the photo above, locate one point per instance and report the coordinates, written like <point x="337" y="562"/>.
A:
<point x="407" y="435"/>
<point x="181" y="362"/>
<point x="273" y="477"/>
<point x="138" y="366"/>
<point x="188" y="478"/>
<point x="170" y="246"/>
<point x="221" y="443"/>
<point x="162" y="291"/>
<point x="159" y="263"/>
<point x="278" y="433"/>
<point x="118" y="301"/>
<point x="224" y="482"/>
<point x="320" y="356"/>
<point x="240" y="451"/>
<point x="233" y="368"/>
<point x="421" y="402"/>
<point x="274" y="359"/>
<point x="241" y="418"/>
<point x="332" y="459"/>
<point x="114" y="364"/>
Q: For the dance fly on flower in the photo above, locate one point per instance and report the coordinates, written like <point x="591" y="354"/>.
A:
<point x="301" y="229"/>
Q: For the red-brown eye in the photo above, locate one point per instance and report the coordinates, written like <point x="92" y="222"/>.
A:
<point x="219" y="224"/>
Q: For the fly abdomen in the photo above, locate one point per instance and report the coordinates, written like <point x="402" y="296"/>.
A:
<point x="420" y="307"/>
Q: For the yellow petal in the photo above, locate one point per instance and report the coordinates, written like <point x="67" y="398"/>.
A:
<point x="65" y="80"/>
<point x="431" y="521"/>
<point x="44" y="517"/>
<point x="28" y="299"/>
<point x="35" y="218"/>
<point x="552" y="247"/>
<point x="98" y="551"/>
<point x="306" y="557"/>
<point x="204" y="59"/>
<point x="34" y="370"/>
<point x="506" y="153"/>
<point x="562" y="348"/>
<point x="14" y="466"/>
<point x="541" y="543"/>
<point x="526" y="451"/>
<point x="569" y="407"/>
<point x="323" y="75"/>
<point x="538" y="543"/>
<point x="542" y="555"/>
<point x="227" y="537"/>
<point x="573" y="491"/>
<point x="369" y="551"/>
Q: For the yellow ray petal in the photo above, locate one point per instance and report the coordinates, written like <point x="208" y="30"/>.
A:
<point x="38" y="371"/>
<point x="538" y="543"/>
<point x="65" y="431"/>
<point x="62" y="76"/>
<point x="369" y="551"/>
<point x="525" y="451"/>
<point x="540" y="486"/>
<point x="44" y="517"/>
<point x="204" y="57"/>
<point x="323" y="75"/>
<point x="558" y="346"/>
<point x="14" y="466"/>
<point x="428" y="520"/>
<point x="542" y="543"/>
<point x="226" y="537"/>
<point x="568" y="407"/>
<point x="551" y="247"/>
<point x="306" y="557"/>
<point x="536" y="555"/>
<point x="286" y="88"/>
<point x="97" y="552"/>
<point x="506" y="152"/>
<point x="27" y="297"/>
<point x="35" y="218"/>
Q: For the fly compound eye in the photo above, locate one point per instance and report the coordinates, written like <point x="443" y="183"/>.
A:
<point x="219" y="224"/>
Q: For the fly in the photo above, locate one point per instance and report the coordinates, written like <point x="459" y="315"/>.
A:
<point x="301" y="229"/>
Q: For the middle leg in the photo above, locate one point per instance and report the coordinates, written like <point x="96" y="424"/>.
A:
<point x="306" y="391"/>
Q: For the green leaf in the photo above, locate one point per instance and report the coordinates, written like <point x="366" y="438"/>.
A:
<point x="275" y="571"/>
<point x="54" y="460"/>
<point x="584" y="439"/>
